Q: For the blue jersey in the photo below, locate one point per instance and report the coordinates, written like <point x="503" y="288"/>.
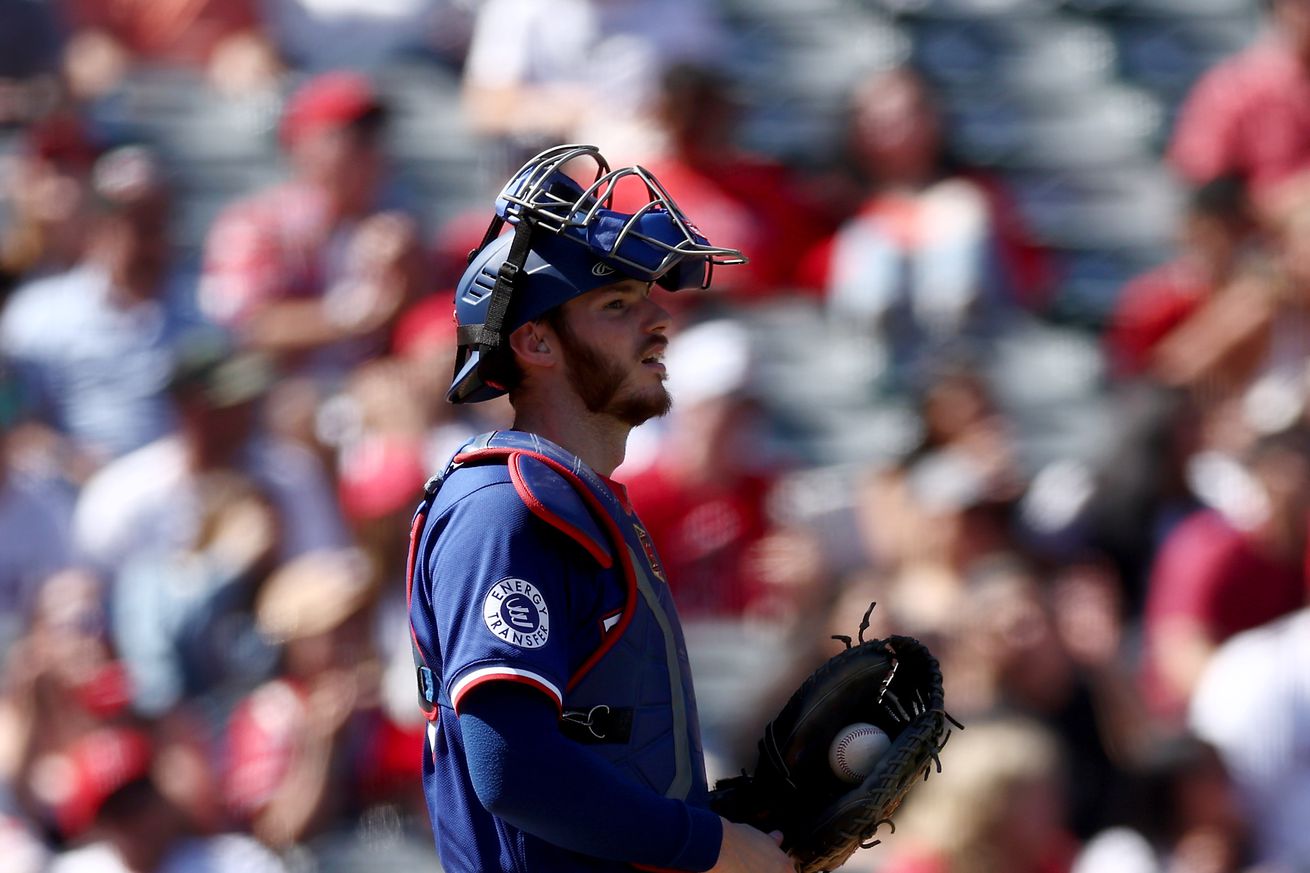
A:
<point x="527" y="567"/>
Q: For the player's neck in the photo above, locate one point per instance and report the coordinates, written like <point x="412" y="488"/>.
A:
<point x="599" y="440"/>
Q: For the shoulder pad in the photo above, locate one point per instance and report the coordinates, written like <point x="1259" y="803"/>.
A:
<point x="553" y="498"/>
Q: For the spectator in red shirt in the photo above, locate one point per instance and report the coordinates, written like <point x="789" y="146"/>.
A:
<point x="316" y="269"/>
<point x="1218" y="574"/>
<point x="1210" y="249"/>
<point x="1250" y="115"/>
<point x="754" y="204"/>
<point x="916" y="198"/>
<point x="705" y="497"/>
<point x="139" y="798"/>
<point x="934" y="256"/>
<point x="1242" y="354"/>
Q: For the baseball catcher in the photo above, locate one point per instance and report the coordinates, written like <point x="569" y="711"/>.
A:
<point x="840" y="757"/>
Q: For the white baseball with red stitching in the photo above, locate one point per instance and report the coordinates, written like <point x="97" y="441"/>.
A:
<point x="855" y="750"/>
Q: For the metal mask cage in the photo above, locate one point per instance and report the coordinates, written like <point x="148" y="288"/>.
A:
<point x="554" y="201"/>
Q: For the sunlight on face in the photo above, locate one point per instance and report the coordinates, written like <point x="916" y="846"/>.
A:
<point x="606" y="335"/>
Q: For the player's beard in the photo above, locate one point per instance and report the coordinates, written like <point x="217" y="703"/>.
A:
<point x="599" y="379"/>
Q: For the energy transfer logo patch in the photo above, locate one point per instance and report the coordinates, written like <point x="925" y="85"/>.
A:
<point x="515" y="611"/>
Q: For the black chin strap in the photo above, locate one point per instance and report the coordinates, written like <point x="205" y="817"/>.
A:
<point x="488" y="336"/>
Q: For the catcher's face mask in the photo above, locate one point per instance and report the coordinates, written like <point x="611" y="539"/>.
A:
<point x="567" y="240"/>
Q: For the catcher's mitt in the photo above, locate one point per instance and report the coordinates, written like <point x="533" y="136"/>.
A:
<point x="894" y="684"/>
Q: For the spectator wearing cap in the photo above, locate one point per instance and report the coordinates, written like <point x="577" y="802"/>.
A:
<point x="94" y="345"/>
<point x="291" y="774"/>
<point x="49" y="200"/>
<point x="149" y="500"/>
<point x="315" y="269"/>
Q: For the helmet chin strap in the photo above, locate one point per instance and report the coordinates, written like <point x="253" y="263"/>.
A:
<point x="489" y="335"/>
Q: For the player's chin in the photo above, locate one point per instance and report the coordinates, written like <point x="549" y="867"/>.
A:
<point x="639" y="406"/>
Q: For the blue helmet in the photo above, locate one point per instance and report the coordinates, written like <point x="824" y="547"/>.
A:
<point x="567" y="240"/>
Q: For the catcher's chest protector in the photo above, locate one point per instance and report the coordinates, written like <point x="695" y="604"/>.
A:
<point x="632" y="700"/>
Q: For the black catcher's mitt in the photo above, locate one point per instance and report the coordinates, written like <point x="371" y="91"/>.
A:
<point x="894" y="684"/>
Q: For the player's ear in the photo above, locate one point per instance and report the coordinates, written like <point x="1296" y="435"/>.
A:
<point x="534" y="344"/>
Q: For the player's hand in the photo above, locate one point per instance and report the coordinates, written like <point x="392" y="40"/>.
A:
<point x="746" y="850"/>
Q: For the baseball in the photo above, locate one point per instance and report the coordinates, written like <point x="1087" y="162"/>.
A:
<point x="855" y="750"/>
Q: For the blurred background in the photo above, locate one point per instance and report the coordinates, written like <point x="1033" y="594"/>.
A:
<point x="1021" y="355"/>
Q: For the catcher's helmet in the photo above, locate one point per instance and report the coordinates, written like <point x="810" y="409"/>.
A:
<point x="567" y="240"/>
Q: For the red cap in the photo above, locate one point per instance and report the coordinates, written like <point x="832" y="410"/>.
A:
<point x="330" y="100"/>
<point x="381" y="476"/>
<point x="426" y="326"/>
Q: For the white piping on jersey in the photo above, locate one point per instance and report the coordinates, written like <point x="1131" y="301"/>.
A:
<point x="457" y="690"/>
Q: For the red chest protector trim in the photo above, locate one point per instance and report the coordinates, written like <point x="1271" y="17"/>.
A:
<point x="555" y="493"/>
<point x="427" y="686"/>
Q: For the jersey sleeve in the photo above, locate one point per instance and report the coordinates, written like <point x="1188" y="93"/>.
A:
<point x="517" y="761"/>
<point x="503" y="587"/>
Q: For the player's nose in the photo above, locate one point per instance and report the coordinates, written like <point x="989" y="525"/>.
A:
<point x="657" y="318"/>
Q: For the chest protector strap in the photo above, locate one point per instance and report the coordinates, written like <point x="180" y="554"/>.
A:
<point x="427" y="680"/>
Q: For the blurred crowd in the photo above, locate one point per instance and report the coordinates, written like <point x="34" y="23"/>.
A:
<point x="209" y="454"/>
